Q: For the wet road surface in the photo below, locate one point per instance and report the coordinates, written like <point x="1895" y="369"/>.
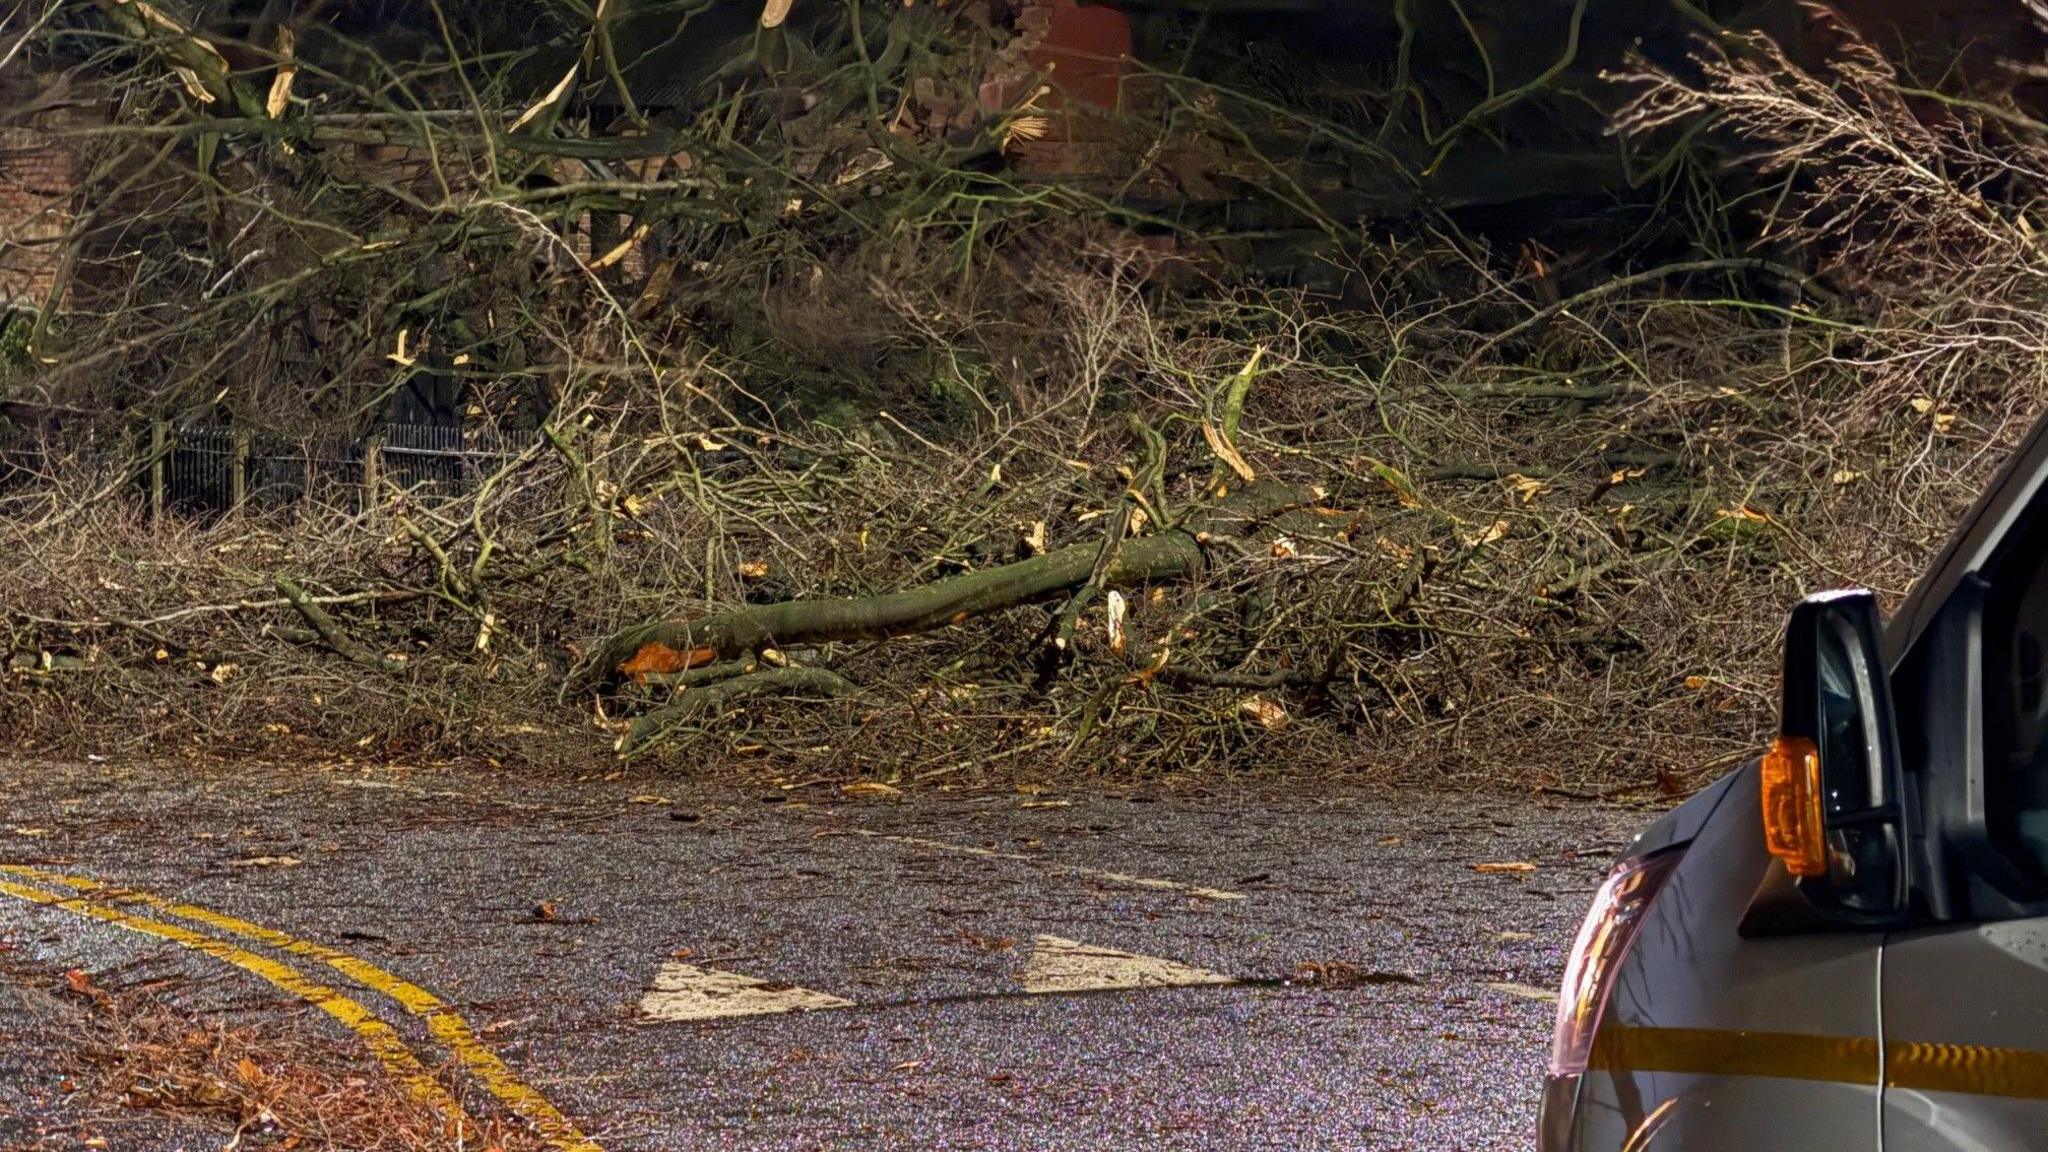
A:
<point x="606" y="962"/>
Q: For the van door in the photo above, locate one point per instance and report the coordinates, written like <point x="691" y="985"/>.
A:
<point x="1966" y="1037"/>
<point x="1965" y="1004"/>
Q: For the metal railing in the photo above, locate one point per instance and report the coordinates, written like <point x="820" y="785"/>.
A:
<point x="200" y="471"/>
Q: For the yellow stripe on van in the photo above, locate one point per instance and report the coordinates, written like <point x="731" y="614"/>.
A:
<point x="1727" y="1052"/>
<point x="1919" y="1066"/>
<point x="1977" y="1069"/>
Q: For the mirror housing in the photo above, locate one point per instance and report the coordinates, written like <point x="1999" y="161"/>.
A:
<point x="1833" y="783"/>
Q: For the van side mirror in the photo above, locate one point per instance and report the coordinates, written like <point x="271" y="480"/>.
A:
<point x="1833" y="784"/>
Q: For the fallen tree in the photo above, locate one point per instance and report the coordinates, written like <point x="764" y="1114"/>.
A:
<point x="718" y="658"/>
<point x="827" y="368"/>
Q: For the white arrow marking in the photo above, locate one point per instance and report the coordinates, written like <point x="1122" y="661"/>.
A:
<point x="686" y="992"/>
<point x="1051" y="865"/>
<point x="1062" y="965"/>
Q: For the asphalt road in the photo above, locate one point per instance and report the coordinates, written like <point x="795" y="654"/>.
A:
<point x="982" y="971"/>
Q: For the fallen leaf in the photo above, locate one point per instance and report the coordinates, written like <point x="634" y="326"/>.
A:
<point x="1402" y="487"/>
<point x="1846" y="476"/>
<point x="754" y="570"/>
<point x="1743" y="512"/>
<point x="1341" y="974"/>
<point x="1115" y="609"/>
<point x="1270" y="715"/>
<point x="656" y="658"/>
<point x="867" y="164"/>
<point x="869" y="788"/>
<point x="1494" y="531"/>
<point x="266" y="862"/>
<point x="647" y="798"/>
<point x="221" y="672"/>
<point x="1505" y="866"/>
<point x="1510" y="936"/>
<point x="544" y="911"/>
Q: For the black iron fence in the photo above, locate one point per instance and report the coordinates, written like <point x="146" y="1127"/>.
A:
<point x="436" y="460"/>
<point x="208" y="470"/>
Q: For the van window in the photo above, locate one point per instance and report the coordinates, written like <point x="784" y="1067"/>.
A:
<point x="2016" y="699"/>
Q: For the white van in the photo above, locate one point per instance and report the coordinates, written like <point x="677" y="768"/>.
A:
<point x="1844" y="945"/>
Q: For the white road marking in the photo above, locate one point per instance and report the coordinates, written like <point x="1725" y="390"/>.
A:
<point x="1054" y="865"/>
<point x="1057" y="964"/>
<point x="687" y="992"/>
<point x="430" y="793"/>
<point x="1525" y="991"/>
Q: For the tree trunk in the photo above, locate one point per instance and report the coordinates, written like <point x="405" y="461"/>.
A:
<point x="665" y="646"/>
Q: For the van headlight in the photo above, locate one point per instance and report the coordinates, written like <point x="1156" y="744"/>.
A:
<point x="1617" y="915"/>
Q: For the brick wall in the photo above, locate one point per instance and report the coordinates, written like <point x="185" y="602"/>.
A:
<point x="42" y="164"/>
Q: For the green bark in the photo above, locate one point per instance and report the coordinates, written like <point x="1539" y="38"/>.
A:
<point x="711" y="699"/>
<point x="1170" y="555"/>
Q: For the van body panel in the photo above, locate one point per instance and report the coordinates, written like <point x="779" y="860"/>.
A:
<point x="1966" y="1033"/>
<point x="1713" y="1041"/>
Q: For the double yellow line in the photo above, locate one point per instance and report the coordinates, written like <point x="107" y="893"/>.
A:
<point x="442" y="1021"/>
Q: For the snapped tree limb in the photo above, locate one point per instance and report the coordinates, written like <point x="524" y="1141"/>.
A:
<point x="1175" y="553"/>
<point x="331" y="632"/>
